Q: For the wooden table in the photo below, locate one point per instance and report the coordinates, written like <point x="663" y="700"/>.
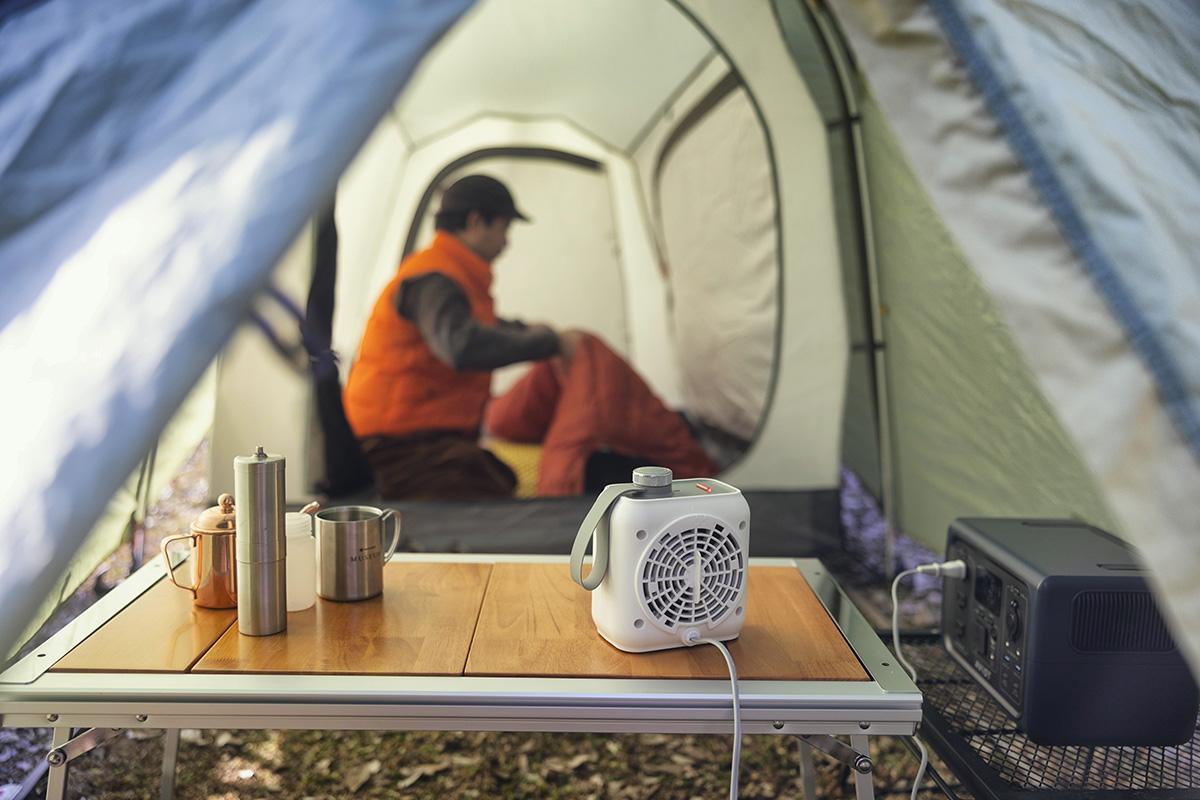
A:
<point x="457" y="642"/>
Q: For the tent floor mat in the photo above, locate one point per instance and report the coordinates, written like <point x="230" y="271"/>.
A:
<point x="782" y="523"/>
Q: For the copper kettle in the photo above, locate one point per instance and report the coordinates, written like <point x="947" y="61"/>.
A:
<point x="214" y="560"/>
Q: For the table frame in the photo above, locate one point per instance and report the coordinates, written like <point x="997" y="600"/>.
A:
<point x="887" y="704"/>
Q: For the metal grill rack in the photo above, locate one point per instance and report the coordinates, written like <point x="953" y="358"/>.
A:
<point x="982" y="746"/>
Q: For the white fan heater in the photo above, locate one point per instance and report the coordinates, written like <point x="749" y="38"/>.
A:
<point x="669" y="561"/>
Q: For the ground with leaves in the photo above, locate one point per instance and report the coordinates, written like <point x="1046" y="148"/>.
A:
<point x="232" y="765"/>
<point x="241" y="765"/>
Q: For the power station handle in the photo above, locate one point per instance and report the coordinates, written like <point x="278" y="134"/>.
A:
<point x="590" y="524"/>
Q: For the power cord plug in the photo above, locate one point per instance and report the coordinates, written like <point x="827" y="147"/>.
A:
<point x="946" y="569"/>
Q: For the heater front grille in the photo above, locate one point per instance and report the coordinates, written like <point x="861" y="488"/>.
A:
<point x="692" y="576"/>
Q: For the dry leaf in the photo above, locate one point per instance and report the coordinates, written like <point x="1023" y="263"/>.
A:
<point x="420" y="771"/>
<point x="670" y="769"/>
<point x="580" y="760"/>
<point x="554" y="765"/>
<point x="225" y="737"/>
<point x="430" y="769"/>
<point x="192" y="736"/>
<point x="357" y="776"/>
<point x="412" y="778"/>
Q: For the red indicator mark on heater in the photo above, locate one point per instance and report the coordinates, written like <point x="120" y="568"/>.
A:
<point x="705" y="488"/>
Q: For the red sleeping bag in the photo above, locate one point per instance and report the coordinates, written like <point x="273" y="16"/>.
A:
<point x="599" y="404"/>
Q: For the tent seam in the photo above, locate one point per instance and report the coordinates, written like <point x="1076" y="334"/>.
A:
<point x="1096" y="263"/>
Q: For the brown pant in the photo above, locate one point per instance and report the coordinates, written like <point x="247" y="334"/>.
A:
<point x="437" y="465"/>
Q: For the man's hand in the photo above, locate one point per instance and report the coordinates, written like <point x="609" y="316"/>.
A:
<point x="568" y="341"/>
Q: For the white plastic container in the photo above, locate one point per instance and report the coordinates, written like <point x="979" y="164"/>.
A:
<point x="301" y="562"/>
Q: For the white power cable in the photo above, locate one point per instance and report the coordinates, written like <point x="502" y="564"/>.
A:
<point x="912" y="673"/>
<point x="920" y="770"/>
<point x="949" y="569"/>
<point x="692" y="638"/>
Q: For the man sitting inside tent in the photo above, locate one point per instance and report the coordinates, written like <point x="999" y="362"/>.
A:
<point x="416" y="394"/>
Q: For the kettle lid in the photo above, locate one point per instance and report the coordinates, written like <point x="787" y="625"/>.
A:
<point x="218" y="519"/>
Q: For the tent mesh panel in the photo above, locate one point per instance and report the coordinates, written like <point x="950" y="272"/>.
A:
<point x="978" y="738"/>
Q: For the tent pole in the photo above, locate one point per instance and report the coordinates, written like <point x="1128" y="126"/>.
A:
<point x="875" y="307"/>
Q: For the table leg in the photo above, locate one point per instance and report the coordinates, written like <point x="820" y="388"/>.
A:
<point x="863" y="787"/>
<point x="56" y="776"/>
<point x="808" y="772"/>
<point x="170" y="756"/>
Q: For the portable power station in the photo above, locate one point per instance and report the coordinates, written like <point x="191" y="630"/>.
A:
<point x="1055" y="620"/>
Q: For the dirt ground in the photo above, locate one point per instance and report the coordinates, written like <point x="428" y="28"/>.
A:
<point x="235" y="764"/>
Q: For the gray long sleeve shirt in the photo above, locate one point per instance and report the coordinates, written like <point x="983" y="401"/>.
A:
<point x="442" y="313"/>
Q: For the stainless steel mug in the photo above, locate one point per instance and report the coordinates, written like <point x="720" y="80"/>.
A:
<point x="214" y="576"/>
<point x="350" y="552"/>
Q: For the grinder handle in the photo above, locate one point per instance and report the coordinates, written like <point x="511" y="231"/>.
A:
<point x="162" y="546"/>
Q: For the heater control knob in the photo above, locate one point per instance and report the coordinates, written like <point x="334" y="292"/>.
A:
<point x="653" y="477"/>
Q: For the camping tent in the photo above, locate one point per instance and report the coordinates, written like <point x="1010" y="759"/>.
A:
<point x="945" y="243"/>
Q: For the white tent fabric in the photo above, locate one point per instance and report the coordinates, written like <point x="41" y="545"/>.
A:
<point x="1128" y="72"/>
<point x="156" y="158"/>
<point x="718" y="214"/>
<point x="583" y="63"/>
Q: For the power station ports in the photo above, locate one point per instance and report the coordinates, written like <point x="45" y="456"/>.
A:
<point x="988" y="589"/>
<point x="985" y="646"/>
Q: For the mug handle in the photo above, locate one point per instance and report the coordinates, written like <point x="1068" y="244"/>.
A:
<point x="162" y="547"/>
<point x="391" y="514"/>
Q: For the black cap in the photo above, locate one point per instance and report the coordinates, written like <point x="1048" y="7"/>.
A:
<point x="481" y="193"/>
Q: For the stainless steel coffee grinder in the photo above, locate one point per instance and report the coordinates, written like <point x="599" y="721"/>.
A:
<point x="261" y="543"/>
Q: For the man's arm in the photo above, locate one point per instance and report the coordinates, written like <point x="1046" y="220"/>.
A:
<point x="442" y="313"/>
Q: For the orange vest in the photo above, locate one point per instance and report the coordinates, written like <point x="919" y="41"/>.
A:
<point x="398" y="386"/>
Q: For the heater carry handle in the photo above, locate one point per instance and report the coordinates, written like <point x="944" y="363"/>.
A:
<point x="589" y="527"/>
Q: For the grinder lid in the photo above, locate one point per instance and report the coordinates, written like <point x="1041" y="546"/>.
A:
<point x="219" y="519"/>
<point x="258" y="462"/>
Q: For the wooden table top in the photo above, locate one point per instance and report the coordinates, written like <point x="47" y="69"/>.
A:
<point x="466" y="618"/>
<point x="161" y="631"/>
<point x="420" y="625"/>
<point x="536" y="621"/>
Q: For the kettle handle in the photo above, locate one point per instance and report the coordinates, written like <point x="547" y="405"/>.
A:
<point x="162" y="546"/>
<point x="605" y="501"/>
